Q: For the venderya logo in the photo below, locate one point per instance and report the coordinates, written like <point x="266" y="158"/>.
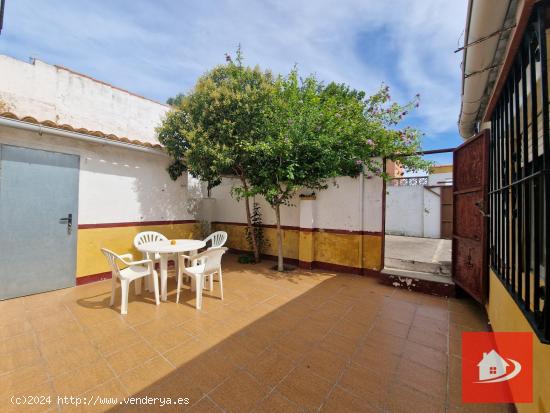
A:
<point x="493" y="368"/>
<point x="497" y="367"/>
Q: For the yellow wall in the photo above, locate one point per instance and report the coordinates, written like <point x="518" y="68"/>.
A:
<point x="345" y="249"/>
<point x="372" y="252"/>
<point x="236" y="239"/>
<point x="439" y="169"/>
<point x="506" y="316"/>
<point x="306" y="247"/>
<point x="339" y="249"/>
<point x="91" y="261"/>
<point x="319" y="246"/>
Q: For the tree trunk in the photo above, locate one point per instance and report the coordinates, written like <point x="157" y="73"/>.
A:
<point x="280" y="265"/>
<point x="255" y="248"/>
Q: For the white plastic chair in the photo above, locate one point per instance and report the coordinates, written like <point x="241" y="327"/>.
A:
<point x="134" y="271"/>
<point x="217" y="239"/>
<point x="205" y="264"/>
<point x="153" y="236"/>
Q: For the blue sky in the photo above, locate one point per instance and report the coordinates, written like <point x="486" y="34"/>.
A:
<point x="159" y="48"/>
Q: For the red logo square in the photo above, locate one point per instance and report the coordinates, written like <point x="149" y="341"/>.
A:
<point x="497" y="367"/>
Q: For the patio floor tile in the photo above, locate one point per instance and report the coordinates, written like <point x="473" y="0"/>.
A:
<point x="270" y="367"/>
<point x="376" y="358"/>
<point x="299" y="341"/>
<point x="325" y="364"/>
<point x="275" y="403"/>
<point x="305" y="388"/>
<point x="366" y="384"/>
<point x="427" y="356"/>
<point x="205" y="405"/>
<point x="404" y="399"/>
<point x="143" y="375"/>
<point x="129" y="357"/>
<point x="83" y="379"/>
<point x="340" y="345"/>
<point x="23" y="379"/>
<point x="238" y="393"/>
<point x="422" y="379"/>
<point x="19" y="359"/>
<point x="341" y="400"/>
<point x="111" y="389"/>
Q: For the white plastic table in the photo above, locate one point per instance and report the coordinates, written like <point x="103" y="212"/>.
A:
<point x="164" y="249"/>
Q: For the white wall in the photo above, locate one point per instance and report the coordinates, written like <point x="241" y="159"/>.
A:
<point x="117" y="185"/>
<point x="337" y="207"/>
<point x="413" y="211"/>
<point x="432" y="213"/>
<point x="404" y="210"/>
<point x="47" y="92"/>
<point x="373" y="209"/>
<point x="227" y="209"/>
<point x="439" y="179"/>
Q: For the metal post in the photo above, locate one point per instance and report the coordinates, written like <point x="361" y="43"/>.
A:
<point x="533" y="45"/>
<point x="526" y="172"/>
<point x="546" y="164"/>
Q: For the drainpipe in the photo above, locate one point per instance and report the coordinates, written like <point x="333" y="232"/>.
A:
<point x="41" y="129"/>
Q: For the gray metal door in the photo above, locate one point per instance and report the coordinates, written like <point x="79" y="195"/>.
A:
<point x="38" y="191"/>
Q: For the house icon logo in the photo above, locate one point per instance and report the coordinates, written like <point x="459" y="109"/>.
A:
<point x="493" y="368"/>
<point x="497" y="367"/>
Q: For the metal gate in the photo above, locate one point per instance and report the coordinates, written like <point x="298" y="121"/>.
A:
<point x="446" y="212"/>
<point x="38" y="207"/>
<point x="470" y="181"/>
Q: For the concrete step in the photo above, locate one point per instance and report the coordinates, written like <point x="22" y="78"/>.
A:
<point x="430" y="283"/>
<point x="443" y="268"/>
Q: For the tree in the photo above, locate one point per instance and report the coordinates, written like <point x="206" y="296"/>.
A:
<point x="176" y="100"/>
<point x="318" y="132"/>
<point x="210" y="131"/>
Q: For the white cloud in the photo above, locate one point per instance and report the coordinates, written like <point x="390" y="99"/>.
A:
<point x="159" y="48"/>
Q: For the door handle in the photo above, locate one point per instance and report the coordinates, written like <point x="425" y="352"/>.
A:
<point x="479" y="205"/>
<point x="69" y="220"/>
<point x="469" y="262"/>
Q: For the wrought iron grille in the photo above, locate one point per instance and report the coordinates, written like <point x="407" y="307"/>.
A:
<point x="410" y="181"/>
<point x="519" y="179"/>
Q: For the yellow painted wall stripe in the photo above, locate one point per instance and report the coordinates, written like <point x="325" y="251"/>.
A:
<point x="329" y="247"/>
<point x="305" y="246"/>
<point x="91" y="261"/>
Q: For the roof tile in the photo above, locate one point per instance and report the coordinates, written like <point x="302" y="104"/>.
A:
<point x="51" y="124"/>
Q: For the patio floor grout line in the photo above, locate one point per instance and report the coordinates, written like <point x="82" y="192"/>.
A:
<point x="348" y="362"/>
<point x="154" y="347"/>
<point x="115" y="374"/>
<point x="331" y="300"/>
<point x="302" y="357"/>
<point x="102" y="356"/>
<point x="429" y="395"/>
<point x="193" y="336"/>
<point x="213" y="401"/>
<point x="274" y="387"/>
<point x="400" y="357"/>
<point x="43" y="359"/>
